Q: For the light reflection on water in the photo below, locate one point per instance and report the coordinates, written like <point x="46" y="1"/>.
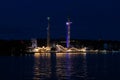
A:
<point x="41" y="68"/>
<point x="60" y="66"/>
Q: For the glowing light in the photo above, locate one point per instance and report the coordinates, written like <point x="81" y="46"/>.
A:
<point x="84" y="53"/>
<point x="37" y="55"/>
<point x="69" y="50"/>
<point x="68" y="23"/>
<point x="60" y="54"/>
<point x="83" y="49"/>
<point x="36" y="50"/>
<point x="48" y="18"/>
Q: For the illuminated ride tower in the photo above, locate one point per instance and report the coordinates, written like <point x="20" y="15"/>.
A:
<point x="68" y="33"/>
<point x="34" y="43"/>
<point x="48" y="33"/>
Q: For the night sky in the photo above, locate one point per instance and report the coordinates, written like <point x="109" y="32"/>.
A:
<point x="92" y="19"/>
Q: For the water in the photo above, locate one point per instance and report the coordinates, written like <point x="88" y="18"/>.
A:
<point x="61" y="66"/>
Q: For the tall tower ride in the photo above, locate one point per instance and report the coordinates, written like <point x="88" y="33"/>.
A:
<point x="48" y="32"/>
<point x="68" y="23"/>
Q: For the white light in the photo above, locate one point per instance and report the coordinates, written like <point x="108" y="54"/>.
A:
<point x="68" y="23"/>
<point x="48" y="18"/>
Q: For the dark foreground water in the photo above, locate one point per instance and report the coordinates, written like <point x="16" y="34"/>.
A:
<point x="60" y="66"/>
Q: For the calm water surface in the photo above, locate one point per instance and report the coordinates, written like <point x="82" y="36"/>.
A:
<point x="61" y="66"/>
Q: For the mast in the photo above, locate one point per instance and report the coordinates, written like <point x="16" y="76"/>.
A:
<point x="48" y="32"/>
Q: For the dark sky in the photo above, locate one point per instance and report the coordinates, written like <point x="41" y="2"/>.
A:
<point x="92" y="19"/>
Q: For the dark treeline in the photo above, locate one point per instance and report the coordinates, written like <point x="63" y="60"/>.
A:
<point x="20" y="46"/>
<point x="8" y="47"/>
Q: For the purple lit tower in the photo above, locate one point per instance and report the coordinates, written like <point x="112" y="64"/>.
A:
<point x="68" y="33"/>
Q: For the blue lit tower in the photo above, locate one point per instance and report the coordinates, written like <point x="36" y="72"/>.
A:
<point x="68" y="33"/>
<point x="48" y="32"/>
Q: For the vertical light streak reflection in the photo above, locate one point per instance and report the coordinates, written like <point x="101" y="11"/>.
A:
<point x="41" y="66"/>
<point x="84" y="66"/>
<point x="68" y="66"/>
<point x="63" y="66"/>
<point x="36" y="67"/>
